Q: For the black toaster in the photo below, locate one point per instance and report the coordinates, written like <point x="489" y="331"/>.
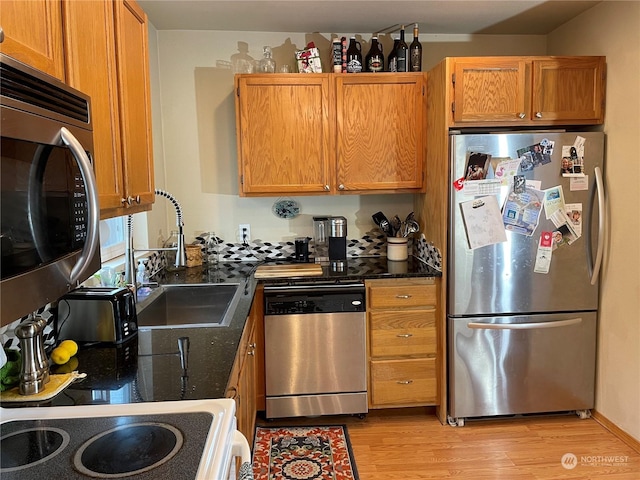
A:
<point x="97" y="314"/>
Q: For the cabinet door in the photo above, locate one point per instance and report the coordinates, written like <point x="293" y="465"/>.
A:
<point x="135" y="104"/>
<point x="380" y="121"/>
<point x="568" y="89"/>
<point x="283" y="132"/>
<point x="33" y="34"/>
<point x="490" y="90"/>
<point x="91" y="67"/>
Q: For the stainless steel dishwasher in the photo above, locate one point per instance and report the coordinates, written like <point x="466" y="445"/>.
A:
<point x="315" y="350"/>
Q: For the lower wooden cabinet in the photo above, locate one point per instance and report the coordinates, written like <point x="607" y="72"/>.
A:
<point x="242" y="381"/>
<point x="401" y="382"/>
<point x="403" y="348"/>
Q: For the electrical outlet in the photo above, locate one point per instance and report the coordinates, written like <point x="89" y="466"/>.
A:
<point x="244" y="233"/>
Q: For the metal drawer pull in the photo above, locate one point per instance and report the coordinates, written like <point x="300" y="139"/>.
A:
<point x="403" y="296"/>
<point x="524" y="326"/>
<point x="404" y="335"/>
<point x="404" y="382"/>
<point x="252" y="345"/>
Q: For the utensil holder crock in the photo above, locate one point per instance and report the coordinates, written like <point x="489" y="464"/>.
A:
<point x="397" y="248"/>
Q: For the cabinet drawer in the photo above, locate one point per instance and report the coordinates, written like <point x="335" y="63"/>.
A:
<point x="403" y="381"/>
<point x="398" y="296"/>
<point x="402" y="333"/>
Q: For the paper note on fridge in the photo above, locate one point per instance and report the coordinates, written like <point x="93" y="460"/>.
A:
<point x="553" y="201"/>
<point x="483" y="222"/>
<point x="521" y="211"/>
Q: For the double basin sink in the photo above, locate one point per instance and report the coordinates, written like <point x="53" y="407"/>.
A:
<point x="188" y="305"/>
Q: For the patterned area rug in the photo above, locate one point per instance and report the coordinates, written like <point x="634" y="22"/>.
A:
<point x="303" y="453"/>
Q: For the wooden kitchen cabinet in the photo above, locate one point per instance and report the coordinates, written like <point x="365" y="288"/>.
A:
<point x="543" y="91"/>
<point x="106" y="54"/>
<point x="32" y="34"/>
<point x="330" y="134"/>
<point x="283" y="130"/>
<point x="243" y="384"/>
<point x="402" y="342"/>
<point x="380" y="132"/>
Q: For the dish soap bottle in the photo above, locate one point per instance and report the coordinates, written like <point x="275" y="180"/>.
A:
<point x="141" y="277"/>
<point x="267" y="64"/>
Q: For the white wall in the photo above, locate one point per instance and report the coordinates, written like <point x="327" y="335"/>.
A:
<point x="197" y="159"/>
<point x="613" y="29"/>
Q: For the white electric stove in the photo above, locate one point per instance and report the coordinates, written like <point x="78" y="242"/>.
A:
<point x="190" y="439"/>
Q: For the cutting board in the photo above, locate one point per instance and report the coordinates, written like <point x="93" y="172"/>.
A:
<point x="285" y="271"/>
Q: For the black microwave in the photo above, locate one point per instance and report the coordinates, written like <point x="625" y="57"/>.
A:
<point x="49" y="213"/>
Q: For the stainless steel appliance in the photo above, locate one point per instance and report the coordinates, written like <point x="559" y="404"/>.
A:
<point x="315" y="350"/>
<point x="330" y="238"/>
<point x="191" y="439"/>
<point x="50" y="217"/>
<point x="337" y="238"/>
<point x="321" y="238"/>
<point x="97" y="314"/>
<point x="521" y="341"/>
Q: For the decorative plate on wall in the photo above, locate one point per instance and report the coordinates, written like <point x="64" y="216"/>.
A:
<point x="286" y="208"/>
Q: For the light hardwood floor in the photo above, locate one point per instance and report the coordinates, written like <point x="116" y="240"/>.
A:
<point x="411" y="444"/>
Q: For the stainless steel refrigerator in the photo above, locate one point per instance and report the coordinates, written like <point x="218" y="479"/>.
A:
<point x="521" y="318"/>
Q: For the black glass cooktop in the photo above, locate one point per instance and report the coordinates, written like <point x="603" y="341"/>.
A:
<point x="140" y="447"/>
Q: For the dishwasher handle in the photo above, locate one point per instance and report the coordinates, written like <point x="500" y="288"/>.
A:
<point x="523" y="326"/>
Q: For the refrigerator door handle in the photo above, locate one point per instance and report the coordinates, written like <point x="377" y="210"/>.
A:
<point x="524" y="326"/>
<point x="602" y="225"/>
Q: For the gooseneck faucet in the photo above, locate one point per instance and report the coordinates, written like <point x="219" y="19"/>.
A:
<point x="181" y="254"/>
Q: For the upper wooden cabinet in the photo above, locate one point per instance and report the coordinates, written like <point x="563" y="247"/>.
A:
<point x="380" y="132"/>
<point x="502" y="91"/>
<point x="330" y="134"/>
<point x="106" y="56"/>
<point x="283" y="129"/>
<point x="33" y="34"/>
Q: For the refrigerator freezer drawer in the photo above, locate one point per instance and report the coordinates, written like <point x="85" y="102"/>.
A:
<point x="521" y="364"/>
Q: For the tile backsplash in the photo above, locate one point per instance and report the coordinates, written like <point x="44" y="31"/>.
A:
<point x="372" y="244"/>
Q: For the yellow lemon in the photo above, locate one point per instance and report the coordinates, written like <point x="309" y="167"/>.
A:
<point x="70" y="346"/>
<point x="60" y="356"/>
<point x="68" y="367"/>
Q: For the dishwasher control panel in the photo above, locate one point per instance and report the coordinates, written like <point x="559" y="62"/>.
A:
<point x="314" y="299"/>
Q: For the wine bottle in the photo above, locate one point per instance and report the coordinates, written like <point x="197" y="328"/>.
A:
<point x="374" y="61"/>
<point x="392" y="64"/>
<point x="402" y="53"/>
<point x="415" y="52"/>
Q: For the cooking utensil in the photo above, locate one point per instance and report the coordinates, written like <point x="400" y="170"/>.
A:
<point x="396" y="225"/>
<point x="378" y="217"/>
<point x="381" y="220"/>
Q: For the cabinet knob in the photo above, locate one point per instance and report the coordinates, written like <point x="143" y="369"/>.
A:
<point x="251" y="352"/>
<point x="404" y="297"/>
<point x="131" y="200"/>
<point x="405" y="335"/>
<point x="538" y="115"/>
<point x="252" y="345"/>
<point x="1" y="35"/>
<point x="341" y="187"/>
<point x="521" y="115"/>
<point x="404" y="382"/>
<point x="327" y="188"/>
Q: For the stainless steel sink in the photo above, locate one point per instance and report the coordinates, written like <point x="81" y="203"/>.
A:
<point x="193" y="305"/>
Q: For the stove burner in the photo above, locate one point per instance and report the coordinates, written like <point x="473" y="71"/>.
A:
<point x="128" y="450"/>
<point x="30" y="447"/>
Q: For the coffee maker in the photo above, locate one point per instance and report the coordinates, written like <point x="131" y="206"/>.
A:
<point x="330" y="238"/>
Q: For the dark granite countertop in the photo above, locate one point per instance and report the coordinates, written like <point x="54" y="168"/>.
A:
<point x="147" y="367"/>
